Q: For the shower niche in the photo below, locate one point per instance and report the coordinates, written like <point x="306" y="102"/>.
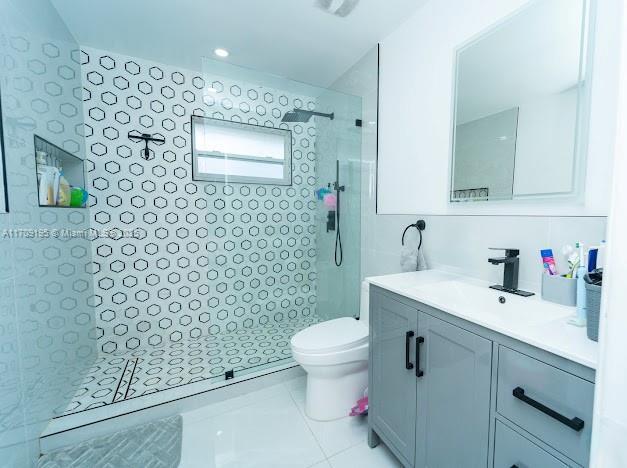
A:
<point x="60" y="176"/>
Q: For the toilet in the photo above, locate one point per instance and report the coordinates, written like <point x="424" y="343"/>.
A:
<point x="334" y="354"/>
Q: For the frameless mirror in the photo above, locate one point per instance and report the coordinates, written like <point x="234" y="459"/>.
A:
<point x="518" y="103"/>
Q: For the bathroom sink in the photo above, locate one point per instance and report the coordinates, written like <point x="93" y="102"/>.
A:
<point x="484" y="304"/>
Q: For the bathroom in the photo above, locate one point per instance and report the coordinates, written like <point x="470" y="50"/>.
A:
<point x="259" y="234"/>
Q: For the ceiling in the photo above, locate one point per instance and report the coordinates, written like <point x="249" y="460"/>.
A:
<point x="290" y="38"/>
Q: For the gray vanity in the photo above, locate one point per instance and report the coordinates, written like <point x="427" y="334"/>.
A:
<point x="447" y="391"/>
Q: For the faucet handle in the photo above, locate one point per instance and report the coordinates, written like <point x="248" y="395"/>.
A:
<point x="508" y="252"/>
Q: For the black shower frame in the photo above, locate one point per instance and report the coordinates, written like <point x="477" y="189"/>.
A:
<point x="3" y="161"/>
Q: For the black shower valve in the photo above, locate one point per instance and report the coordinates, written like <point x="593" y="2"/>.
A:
<point x="331" y="220"/>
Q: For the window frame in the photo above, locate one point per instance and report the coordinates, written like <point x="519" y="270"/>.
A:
<point x="238" y="179"/>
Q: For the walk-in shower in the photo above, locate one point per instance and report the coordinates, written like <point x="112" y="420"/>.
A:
<point x="219" y="272"/>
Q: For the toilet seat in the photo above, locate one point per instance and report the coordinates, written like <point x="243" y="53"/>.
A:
<point x="332" y="336"/>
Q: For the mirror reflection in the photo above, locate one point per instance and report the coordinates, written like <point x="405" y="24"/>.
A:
<point x="518" y="91"/>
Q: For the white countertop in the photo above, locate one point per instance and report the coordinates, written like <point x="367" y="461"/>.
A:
<point x="554" y="335"/>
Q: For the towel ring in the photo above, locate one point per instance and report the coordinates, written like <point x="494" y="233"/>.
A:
<point x="420" y="225"/>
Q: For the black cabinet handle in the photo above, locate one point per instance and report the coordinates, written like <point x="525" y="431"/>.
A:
<point x="419" y="341"/>
<point x="575" y="424"/>
<point x="408" y="337"/>
<point x="514" y="466"/>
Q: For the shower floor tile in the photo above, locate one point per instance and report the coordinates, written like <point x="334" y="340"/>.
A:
<point x="130" y="374"/>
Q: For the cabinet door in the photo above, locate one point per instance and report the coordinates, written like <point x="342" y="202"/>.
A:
<point x="453" y="396"/>
<point x="392" y="392"/>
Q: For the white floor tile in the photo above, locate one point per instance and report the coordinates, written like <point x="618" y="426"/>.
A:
<point x="297" y="388"/>
<point x="333" y="436"/>
<point x="269" y="433"/>
<point x="362" y="456"/>
<point x="231" y="404"/>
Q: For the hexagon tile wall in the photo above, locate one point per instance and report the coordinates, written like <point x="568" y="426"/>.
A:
<point x="209" y="257"/>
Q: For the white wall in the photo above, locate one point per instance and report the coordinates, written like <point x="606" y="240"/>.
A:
<point x="609" y="431"/>
<point x="454" y="242"/>
<point x="415" y="110"/>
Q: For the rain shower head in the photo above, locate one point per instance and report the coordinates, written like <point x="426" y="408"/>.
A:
<point x="302" y="115"/>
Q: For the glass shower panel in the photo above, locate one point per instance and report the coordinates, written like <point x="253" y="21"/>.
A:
<point x="46" y="291"/>
<point x="267" y="242"/>
<point x="338" y="158"/>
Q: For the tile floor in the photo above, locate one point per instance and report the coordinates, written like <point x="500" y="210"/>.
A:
<point x="130" y="374"/>
<point x="269" y="429"/>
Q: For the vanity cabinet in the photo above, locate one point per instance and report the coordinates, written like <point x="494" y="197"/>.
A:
<point x="393" y="326"/>
<point x="513" y="450"/>
<point x="552" y="405"/>
<point x="453" y="395"/>
<point x="430" y="386"/>
<point x="444" y="392"/>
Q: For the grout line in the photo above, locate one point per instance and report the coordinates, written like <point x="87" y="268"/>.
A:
<point x="254" y="401"/>
<point x="304" y="417"/>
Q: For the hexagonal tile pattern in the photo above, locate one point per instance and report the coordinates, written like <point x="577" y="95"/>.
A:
<point x="165" y="364"/>
<point x="213" y="258"/>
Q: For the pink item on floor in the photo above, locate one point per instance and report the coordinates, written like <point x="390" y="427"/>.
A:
<point x="361" y="409"/>
<point x="330" y="201"/>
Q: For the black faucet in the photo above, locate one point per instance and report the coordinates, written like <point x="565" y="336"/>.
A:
<point x="510" y="274"/>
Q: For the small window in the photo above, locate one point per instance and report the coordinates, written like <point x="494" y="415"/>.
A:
<point x="224" y="151"/>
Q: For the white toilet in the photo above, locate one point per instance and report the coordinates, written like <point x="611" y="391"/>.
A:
<point x="335" y="356"/>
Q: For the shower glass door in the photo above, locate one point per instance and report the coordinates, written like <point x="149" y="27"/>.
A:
<point x="271" y="267"/>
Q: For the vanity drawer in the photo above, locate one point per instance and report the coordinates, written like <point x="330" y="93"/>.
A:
<point x="513" y="450"/>
<point x="549" y="403"/>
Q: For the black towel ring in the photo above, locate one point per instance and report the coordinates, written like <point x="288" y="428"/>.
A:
<point x="420" y="225"/>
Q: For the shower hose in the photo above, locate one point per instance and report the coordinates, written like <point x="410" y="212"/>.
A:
<point x="338" y="236"/>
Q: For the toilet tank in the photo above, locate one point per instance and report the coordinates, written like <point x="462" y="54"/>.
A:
<point x="364" y="303"/>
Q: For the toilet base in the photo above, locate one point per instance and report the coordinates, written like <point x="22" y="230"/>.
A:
<point x="331" y="398"/>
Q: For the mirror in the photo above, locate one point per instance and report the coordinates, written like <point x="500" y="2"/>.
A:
<point x="518" y="98"/>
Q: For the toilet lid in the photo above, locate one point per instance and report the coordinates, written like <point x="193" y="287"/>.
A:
<point x="330" y="336"/>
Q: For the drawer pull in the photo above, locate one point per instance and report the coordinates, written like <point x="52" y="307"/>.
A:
<point x="408" y="337"/>
<point x="575" y="424"/>
<point x="419" y="341"/>
<point x="514" y="466"/>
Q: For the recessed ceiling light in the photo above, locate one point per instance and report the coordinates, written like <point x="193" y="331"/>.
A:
<point x="221" y="52"/>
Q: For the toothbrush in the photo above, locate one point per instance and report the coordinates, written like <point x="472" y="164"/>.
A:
<point x="572" y="257"/>
<point x="580" y="319"/>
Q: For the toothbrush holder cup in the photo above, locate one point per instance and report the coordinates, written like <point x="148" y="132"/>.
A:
<point x="559" y="289"/>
